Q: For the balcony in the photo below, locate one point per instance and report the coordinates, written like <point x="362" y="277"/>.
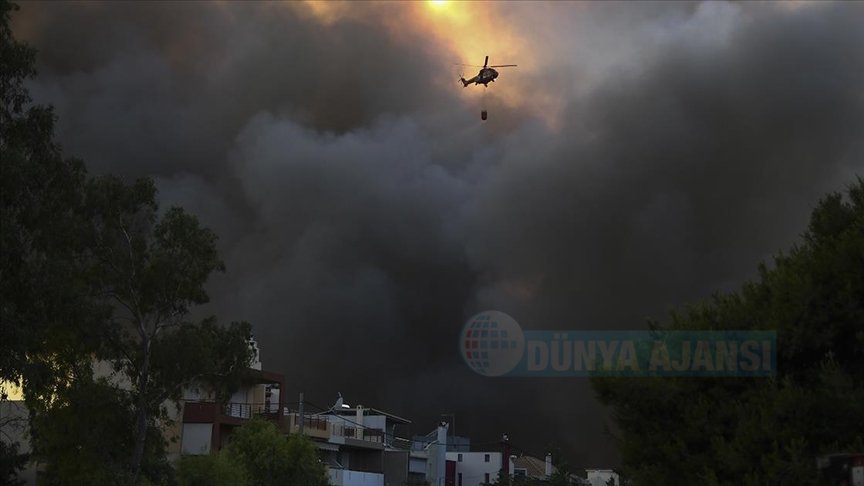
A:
<point x="329" y="428"/>
<point x="347" y="477"/>
<point x="249" y="410"/>
<point x="229" y="413"/>
<point x="334" y="429"/>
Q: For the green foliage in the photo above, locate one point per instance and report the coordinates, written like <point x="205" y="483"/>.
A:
<point x="207" y="353"/>
<point x="270" y="458"/>
<point x="141" y="274"/>
<point x="18" y="60"/>
<point x="152" y="267"/>
<point x="48" y="323"/>
<point x="502" y="479"/>
<point x="760" y="431"/>
<point x="257" y="455"/>
<point x="210" y="470"/>
<point x="91" y="269"/>
<point x="47" y="320"/>
<point x="86" y="437"/>
<point x="152" y="270"/>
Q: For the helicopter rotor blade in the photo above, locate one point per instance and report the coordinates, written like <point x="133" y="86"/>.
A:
<point x="486" y="61"/>
<point x="468" y="65"/>
<point x="503" y="65"/>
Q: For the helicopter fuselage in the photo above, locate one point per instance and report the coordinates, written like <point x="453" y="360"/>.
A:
<point x="484" y="77"/>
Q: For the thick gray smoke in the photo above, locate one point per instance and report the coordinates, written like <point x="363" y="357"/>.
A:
<point x="654" y="153"/>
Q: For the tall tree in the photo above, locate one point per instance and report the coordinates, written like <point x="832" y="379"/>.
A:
<point x="147" y="270"/>
<point x="756" y="430"/>
<point x="46" y="319"/>
<point x="90" y="269"/>
<point x="153" y="269"/>
<point x="86" y="437"/>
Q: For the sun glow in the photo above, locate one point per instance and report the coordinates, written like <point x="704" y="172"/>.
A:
<point x="11" y="390"/>
<point x="454" y="33"/>
<point x="449" y="12"/>
<point x="467" y="32"/>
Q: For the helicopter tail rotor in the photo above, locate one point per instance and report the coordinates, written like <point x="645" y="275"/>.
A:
<point x="463" y="80"/>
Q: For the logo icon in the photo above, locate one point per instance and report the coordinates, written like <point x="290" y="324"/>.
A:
<point x="492" y="343"/>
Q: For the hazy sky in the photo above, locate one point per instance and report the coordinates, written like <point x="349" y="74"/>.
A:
<point x="641" y="156"/>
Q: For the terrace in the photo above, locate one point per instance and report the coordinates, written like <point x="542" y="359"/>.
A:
<point x="329" y="428"/>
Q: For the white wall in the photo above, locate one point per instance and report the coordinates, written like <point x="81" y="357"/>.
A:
<point x="196" y="439"/>
<point x="858" y="476"/>
<point x="369" y="421"/>
<point x="255" y="363"/>
<point x="273" y="406"/>
<point x="599" y="477"/>
<point x="346" y="477"/>
<point x="417" y="465"/>
<point x="474" y="466"/>
<point x="15" y="418"/>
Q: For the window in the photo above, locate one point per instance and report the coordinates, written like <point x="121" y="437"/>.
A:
<point x="460" y="478"/>
<point x="487" y="478"/>
<point x="486" y="459"/>
<point x="459" y="459"/>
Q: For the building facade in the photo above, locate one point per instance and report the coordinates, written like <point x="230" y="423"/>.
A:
<point x="476" y="468"/>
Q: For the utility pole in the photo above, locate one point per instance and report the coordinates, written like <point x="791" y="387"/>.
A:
<point x="505" y="455"/>
<point x="300" y="414"/>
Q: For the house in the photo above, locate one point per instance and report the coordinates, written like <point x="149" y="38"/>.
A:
<point x="455" y="443"/>
<point x="842" y="468"/>
<point x="475" y="468"/>
<point x="603" y="477"/>
<point x="423" y="447"/>
<point x="351" y="440"/>
<point x="197" y="424"/>
<point x="404" y="465"/>
<point x="202" y="425"/>
<point x="532" y="467"/>
<point x="354" y="443"/>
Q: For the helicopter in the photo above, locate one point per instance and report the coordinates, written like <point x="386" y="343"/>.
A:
<point x="485" y="75"/>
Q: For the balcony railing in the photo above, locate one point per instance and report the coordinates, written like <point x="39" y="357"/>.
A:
<point x="328" y="427"/>
<point x="333" y="427"/>
<point x="209" y="411"/>
<point x="249" y="410"/>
